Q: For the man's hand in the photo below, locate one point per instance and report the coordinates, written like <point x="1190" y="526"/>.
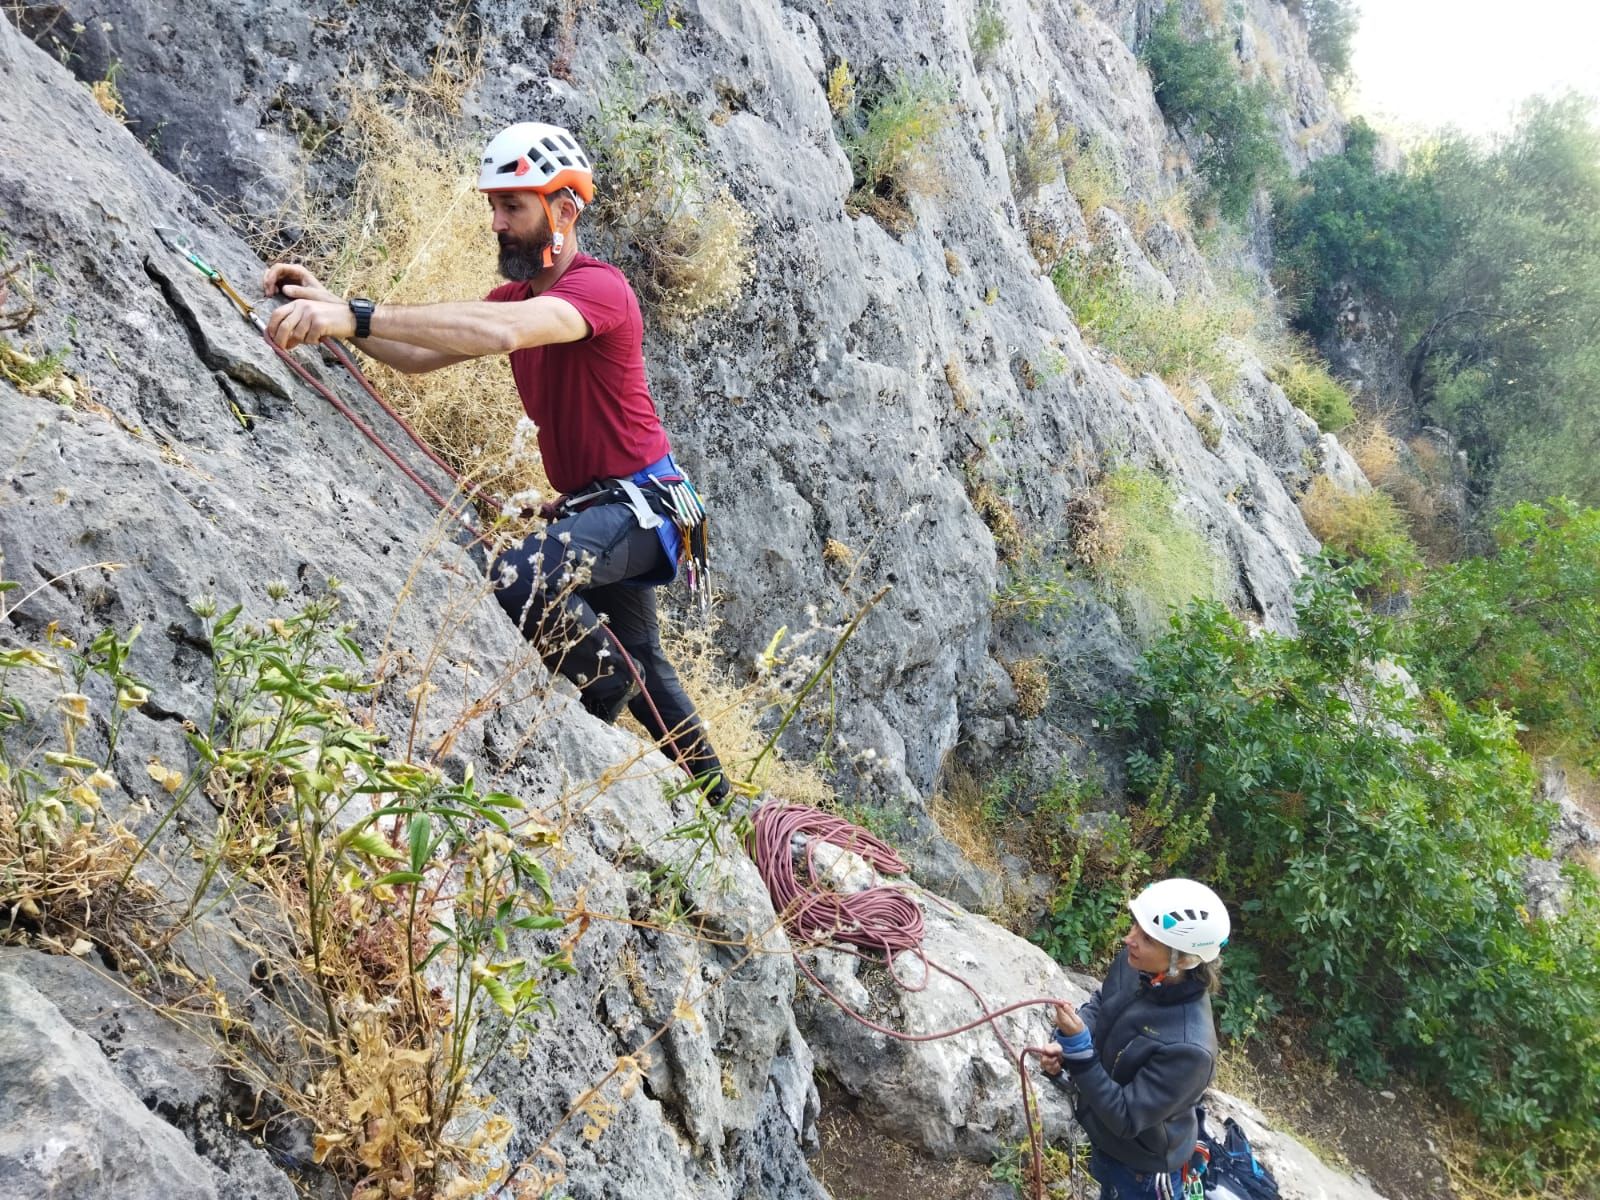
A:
<point x="296" y="282"/>
<point x="1050" y="1060"/>
<point x="301" y="322"/>
<point x="1067" y="1019"/>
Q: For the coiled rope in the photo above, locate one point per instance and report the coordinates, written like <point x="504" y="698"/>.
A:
<point x="876" y="921"/>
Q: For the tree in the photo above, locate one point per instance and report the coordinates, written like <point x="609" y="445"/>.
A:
<point x="1199" y="88"/>
<point x="1330" y="31"/>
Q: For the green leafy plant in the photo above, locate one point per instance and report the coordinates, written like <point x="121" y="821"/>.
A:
<point x="394" y="895"/>
<point x="1198" y="86"/>
<point x="1103" y="863"/>
<point x="1519" y="627"/>
<point x="1371" y="838"/>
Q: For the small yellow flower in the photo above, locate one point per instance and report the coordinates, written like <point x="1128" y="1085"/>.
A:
<point x="100" y="780"/>
<point x="131" y="697"/>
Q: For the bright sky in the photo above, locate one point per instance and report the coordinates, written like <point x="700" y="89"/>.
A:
<point x="1427" y="63"/>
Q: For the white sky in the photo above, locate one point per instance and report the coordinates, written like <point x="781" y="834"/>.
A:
<point x="1421" y="64"/>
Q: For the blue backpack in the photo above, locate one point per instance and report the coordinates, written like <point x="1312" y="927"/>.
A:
<point x="1231" y="1171"/>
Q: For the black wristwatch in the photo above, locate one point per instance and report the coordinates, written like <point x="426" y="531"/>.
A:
<point x="362" y="307"/>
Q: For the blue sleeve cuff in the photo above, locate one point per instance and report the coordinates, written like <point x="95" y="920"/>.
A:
<point x="1079" y="1045"/>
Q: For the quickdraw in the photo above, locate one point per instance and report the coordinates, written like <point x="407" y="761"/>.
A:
<point x="180" y="244"/>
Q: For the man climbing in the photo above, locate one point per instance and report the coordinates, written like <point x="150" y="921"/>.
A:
<point x="572" y="327"/>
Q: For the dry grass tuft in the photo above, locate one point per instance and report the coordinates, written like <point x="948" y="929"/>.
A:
<point x="733" y="714"/>
<point x="956" y="380"/>
<point x="957" y="808"/>
<point x="1032" y="682"/>
<point x="689" y="239"/>
<point x="998" y="514"/>
<point x="1360" y="524"/>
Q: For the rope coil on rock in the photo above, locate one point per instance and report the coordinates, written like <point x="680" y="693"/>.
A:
<point x="881" y="920"/>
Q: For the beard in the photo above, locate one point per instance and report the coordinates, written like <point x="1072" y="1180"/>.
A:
<point x="521" y="259"/>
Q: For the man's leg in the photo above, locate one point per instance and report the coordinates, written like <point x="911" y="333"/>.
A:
<point x="542" y="586"/>
<point x="632" y="613"/>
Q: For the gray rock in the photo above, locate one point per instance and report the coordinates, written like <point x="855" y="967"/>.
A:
<point x="69" y="1128"/>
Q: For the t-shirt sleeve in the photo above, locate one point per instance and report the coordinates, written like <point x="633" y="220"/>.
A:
<point x="600" y="296"/>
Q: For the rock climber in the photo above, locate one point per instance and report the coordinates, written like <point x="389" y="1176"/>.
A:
<point x="572" y="326"/>
<point x="1143" y="1049"/>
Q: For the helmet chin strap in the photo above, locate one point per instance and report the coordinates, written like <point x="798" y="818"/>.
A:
<point x="558" y="235"/>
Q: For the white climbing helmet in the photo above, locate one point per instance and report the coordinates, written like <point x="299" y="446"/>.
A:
<point x="1185" y="915"/>
<point x="533" y="157"/>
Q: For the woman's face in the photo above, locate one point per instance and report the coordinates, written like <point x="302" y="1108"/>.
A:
<point x="1145" y="953"/>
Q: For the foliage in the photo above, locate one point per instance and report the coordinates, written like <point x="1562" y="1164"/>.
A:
<point x="1367" y="525"/>
<point x="1178" y="341"/>
<point x="1330" y="32"/>
<point x="688" y="236"/>
<point x="1371" y="839"/>
<point x="1092" y="174"/>
<point x="383" y="897"/>
<point x="1101" y="864"/>
<point x="1490" y="255"/>
<point x="989" y="31"/>
<point x="1311" y="388"/>
<point x="1200" y="90"/>
<point x="890" y="142"/>
<point x="1345" y="221"/>
<point x="1520" y="627"/>
<point x="1150" y="559"/>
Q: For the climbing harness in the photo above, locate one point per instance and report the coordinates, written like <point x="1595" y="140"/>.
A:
<point x="654" y="497"/>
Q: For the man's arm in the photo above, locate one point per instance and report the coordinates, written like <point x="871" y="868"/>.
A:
<point x="423" y="337"/>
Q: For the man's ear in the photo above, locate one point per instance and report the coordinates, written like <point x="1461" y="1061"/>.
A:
<point x="566" y="209"/>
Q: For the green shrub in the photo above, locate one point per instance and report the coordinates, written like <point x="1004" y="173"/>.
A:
<point x="1312" y="389"/>
<point x="1345" y="222"/>
<point x="1371" y="841"/>
<point x="1103" y="864"/>
<point x="1198" y="86"/>
<point x="1520" y="627"/>
<point x="1178" y="342"/>
<point x="1150" y="560"/>
<point x="989" y="31"/>
<point x="890" y="144"/>
<point x="1366" y="525"/>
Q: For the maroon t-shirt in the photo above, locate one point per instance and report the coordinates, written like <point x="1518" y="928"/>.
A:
<point x="590" y="398"/>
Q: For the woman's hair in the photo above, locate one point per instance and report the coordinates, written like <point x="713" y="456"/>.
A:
<point x="1210" y="973"/>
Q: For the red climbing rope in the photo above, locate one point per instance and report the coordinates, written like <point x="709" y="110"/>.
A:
<point x="881" y="919"/>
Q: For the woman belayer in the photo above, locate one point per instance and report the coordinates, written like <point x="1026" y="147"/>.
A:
<point x="1143" y="1049"/>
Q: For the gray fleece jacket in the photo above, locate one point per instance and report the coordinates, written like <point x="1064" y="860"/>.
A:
<point x="1155" y="1054"/>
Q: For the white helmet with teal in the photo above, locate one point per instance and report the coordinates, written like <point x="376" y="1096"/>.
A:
<point x="1185" y="915"/>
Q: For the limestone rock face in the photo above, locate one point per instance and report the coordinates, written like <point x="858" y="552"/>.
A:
<point x="868" y="382"/>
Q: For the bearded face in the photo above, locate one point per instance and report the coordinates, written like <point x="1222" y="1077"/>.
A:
<point x="522" y="258"/>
